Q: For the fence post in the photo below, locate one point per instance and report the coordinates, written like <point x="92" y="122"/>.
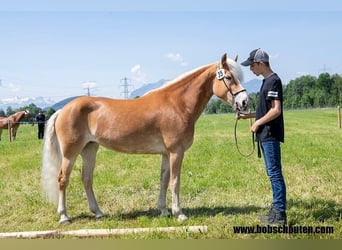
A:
<point x="339" y="116"/>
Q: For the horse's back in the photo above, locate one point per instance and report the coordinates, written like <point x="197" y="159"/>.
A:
<point x="98" y="109"/>
<point x="122" y="125"/>
<point x="3" y="122"/>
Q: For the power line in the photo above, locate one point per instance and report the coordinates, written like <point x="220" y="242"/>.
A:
<point x="125" y="86"/>
<point x="89" y="85"/>
<point x="325" y="69"/>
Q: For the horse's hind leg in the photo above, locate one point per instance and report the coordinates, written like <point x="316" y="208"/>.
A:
<point x="14" y="133"/>
<point x="164" y="183"/>
<point x="63" y="180"/>
<point x="89" y="156"/>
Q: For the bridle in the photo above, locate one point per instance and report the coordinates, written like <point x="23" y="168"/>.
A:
<point x="221" y="75"/>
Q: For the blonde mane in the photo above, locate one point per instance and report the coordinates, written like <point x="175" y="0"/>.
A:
<point x="234" y="68"/>
<point x="168" y="83"/>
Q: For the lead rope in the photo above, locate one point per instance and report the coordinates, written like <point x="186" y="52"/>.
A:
<point x="253" y="143"/>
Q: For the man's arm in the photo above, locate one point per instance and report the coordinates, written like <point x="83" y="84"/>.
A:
<point x="273" y="113"/>
<point x="245" y="116"/>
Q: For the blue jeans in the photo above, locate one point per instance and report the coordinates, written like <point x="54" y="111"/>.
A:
<point x="272" y="156"/>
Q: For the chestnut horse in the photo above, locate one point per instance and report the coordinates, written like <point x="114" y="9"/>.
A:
<point x="160" y="122"/>
<point x="12" y="123"/>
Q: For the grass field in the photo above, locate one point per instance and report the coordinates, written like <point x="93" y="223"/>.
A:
<point x="219" y="188"/>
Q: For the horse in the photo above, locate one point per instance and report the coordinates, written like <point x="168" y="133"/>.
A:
<point x="12" y="123"/>
<point x="160" y="122"/>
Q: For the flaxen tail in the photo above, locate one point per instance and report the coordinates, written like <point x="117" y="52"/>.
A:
<point x="51" y="161"/>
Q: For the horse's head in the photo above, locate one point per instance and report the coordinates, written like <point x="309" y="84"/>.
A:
<point x="27" y="114"/>
<point x="227" y="85"/>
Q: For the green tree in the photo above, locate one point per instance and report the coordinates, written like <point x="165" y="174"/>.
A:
<point x="217" y="106"/>
<point x="336" y="90"/>
<point x="9" y="111"/>
<point x="49" y="112"/>
<point x="32" y="108"/>
<point x="253" y="98"/>
<point x="310" y="92"/>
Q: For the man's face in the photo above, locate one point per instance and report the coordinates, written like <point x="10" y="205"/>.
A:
<point x="255" y="68"/>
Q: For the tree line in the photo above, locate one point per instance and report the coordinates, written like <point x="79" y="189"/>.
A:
<point x="32" y="108"/>
<point x="300" y="93"/>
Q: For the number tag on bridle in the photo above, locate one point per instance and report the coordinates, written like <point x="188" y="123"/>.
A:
<point x="220" y="74"/>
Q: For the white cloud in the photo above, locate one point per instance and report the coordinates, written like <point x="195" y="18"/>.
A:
<point x="13" y="87"/>
<point x="138" y="76"/>
<point x="275" y="56"/>
<point x="302" y="73"/>
<point x="178" y="58"/>
<point x="89" y="84"/>
<point x="136" y="68"/>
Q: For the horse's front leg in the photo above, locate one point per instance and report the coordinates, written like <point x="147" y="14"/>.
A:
<point x="164" y="183"/>
<point x="176" y="160"/>
<point x="10" y="133"/>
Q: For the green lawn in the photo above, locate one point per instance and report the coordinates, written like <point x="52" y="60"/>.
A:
<point x="219" y="188"/>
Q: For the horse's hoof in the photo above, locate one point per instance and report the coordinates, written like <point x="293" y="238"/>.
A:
<point x="165" y="213"/>
<point x="99" y="216"/>
<point x="65" y="220"/>
<point x="181" y="218"/>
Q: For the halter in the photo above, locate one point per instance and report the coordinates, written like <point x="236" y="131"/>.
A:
<point x="221" y="75"/>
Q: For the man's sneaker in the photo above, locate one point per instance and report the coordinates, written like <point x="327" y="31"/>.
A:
<point x="264" y="218"/>
<point x="277" y="218"/>
<point x="273" y="217"/>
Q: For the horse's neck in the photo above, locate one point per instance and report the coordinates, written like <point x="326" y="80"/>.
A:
<point x="196" y="92"/>
<point x="18" y="116"/>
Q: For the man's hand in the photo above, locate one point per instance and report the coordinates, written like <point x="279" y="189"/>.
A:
<point x="255" y="126"/>
<point x="239" y="116"/>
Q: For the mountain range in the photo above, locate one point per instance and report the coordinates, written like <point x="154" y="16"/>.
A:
<point x="251" y="86"/>
<point x="18" y="102"/>
<point x="146" y="88"/>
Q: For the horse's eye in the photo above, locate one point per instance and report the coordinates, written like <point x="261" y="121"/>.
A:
<point x="229" y="78"/>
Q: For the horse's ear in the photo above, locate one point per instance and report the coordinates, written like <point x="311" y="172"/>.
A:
<point x="236" y="58"/>
<point x="224" y="59"/>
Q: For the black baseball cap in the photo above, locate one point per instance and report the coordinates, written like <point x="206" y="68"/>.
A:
<point x="257" y="55"/>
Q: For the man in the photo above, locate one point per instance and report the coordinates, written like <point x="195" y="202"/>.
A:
<point x="269" y="129"/>
<point x="40" y="118"/>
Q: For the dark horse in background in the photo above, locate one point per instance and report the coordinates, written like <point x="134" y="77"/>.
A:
<point x="160" y="122"/>
<point x="12" y="123"/>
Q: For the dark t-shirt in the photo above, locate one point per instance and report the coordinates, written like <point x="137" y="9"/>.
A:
<point x="271" y="89"/>
<point x="40" y="119"/>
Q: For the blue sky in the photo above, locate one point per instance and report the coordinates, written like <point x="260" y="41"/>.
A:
<point x="57" y="49"/>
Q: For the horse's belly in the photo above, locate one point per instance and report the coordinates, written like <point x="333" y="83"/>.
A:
<point x="135" y="146"/>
